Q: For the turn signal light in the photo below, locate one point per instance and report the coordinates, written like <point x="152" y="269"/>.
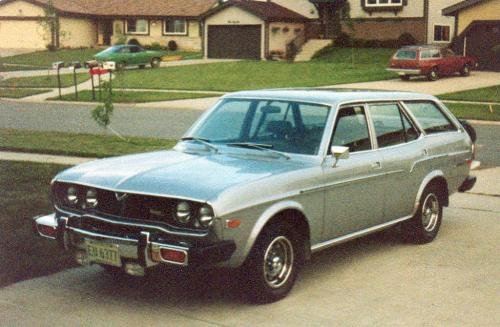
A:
<point x="47" y="231"/>
<point x="233" y="223"/>
<point x="171" y="255"/>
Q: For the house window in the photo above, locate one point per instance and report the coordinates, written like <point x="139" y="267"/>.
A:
<point x="441" y="33"/>
<point x="137" y="26"/>
<point x="382" y="3"/>
<point x="175" y="26"/>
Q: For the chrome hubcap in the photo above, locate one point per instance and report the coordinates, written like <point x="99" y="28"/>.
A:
<point x="278" y="262"/>
<point x="430" y="212"/>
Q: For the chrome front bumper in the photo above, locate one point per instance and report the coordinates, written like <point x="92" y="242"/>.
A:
<point x="141" y="250"/>
<point x="402" y="71"/>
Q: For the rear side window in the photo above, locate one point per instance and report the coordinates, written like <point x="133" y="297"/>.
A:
<point x="351" y="129"/>
<point x="433" y="53"/>
<point x="391" y="125"/>
<point x="430" y="117"/>
<point x="406" y="55"/>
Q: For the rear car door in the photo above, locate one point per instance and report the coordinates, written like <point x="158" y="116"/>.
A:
<point x="353" y="200"/>
<point x="402" y="150"/>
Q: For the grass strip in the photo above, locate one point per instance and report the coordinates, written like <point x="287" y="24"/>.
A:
<point x="83" y="145"/>
<point x="247" y="75"/>
<point x="24" y="194"/>
<point x="19" y="92"/>
<point x="46" y="58"/>
<point x="134" y="96"/>
<point x="474" y="111"/>
<point x="44" y="81"/>
<point x="485" y="94"/>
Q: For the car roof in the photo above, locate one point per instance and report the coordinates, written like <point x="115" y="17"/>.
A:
<point x="420" y="47"/>
<point x="329" y="96"/>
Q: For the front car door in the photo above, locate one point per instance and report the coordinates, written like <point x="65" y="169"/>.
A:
<point x="353" y="197"/>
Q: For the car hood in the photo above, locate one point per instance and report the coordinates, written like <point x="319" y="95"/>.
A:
<point x="176" y="174"/>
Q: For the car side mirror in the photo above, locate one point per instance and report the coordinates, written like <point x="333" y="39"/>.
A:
<point x="339" y="152"/>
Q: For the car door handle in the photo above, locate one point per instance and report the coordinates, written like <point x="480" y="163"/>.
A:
<point x="425" y="152"/>
<point x="376" y="165"/>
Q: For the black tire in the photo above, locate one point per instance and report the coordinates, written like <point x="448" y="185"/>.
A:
<point x="433" y="75"/>
<point x="465" y="71"/>
<point x="142" y="66"/>
<point x="424" y="226"/>
<point x="113" y="271"/>
<point x="271" y="268"/>
<point x="155" y="62"/>
<point x="121" y="65"/>
<point x="404" y="77"/>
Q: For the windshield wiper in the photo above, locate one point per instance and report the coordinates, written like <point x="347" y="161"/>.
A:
<point x="258" y="146"/>
<point x="203" y="141"/>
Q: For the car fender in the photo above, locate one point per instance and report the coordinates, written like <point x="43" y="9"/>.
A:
<point x="427" y="179"/>
<point x="265" y="217"/>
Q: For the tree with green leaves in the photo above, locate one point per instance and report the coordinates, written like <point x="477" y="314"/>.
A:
<point x="331" y="15"/>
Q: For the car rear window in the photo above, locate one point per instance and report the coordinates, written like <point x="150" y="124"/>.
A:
<point x="430" y="117"/>
<point x="406" y="55"/>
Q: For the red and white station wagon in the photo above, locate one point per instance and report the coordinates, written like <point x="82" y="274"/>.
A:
<point x="430" y="61"/>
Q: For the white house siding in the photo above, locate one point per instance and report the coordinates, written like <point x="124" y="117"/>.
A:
<point x="436" y="18"/>
<point x="415" y="8"/>
<point x="280" y="37"/>
<point x="234" y="16"/>
<point x="77" y="32"/>
<point x="191" y="41"/>
<point x="20" y="9"/>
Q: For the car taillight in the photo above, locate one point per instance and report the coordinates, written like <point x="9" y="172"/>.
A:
<point x="47" y="231"/>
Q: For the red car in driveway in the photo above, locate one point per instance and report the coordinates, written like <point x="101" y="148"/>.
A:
<point x="430" y="61"/>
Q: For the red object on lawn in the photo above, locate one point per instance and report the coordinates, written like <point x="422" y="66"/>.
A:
<point x="97" y="71"/>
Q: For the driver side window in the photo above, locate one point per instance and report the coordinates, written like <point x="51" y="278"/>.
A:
<point x="351" y="129"/>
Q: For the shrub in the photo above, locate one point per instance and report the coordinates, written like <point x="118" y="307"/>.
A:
<point x="406" y="39"/>
<point x="343" y="40"/>
<point x="172" y="45"/>
<point x="121" y="39"/>
<point x="51" y="47"/>
<point x="155" y="46"/>
<point x="134" y="42"/>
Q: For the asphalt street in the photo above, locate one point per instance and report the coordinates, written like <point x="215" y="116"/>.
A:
<point x="131" y="120"/>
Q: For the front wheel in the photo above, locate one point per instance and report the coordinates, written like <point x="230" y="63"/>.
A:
<point x="271" y="268"/>
<point x="433" y="75"/>
<point x="424" y="226"/>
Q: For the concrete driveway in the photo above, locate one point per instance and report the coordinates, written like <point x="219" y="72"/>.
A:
<point x="477" y="79"/>
<point x="373" y="281"/>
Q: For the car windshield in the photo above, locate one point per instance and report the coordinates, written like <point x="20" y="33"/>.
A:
<point x="111" y="50"/>
<point x="285" y="126"/>
<point x="406" y="55"/>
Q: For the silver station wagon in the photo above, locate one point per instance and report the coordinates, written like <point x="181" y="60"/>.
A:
<point x="263" y="180"/>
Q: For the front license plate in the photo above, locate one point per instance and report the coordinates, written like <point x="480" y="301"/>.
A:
<point x="103" y="253"/>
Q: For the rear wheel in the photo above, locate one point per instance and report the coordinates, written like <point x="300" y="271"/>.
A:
<point x="155" y="62"/>
<point x="424" y="226"/>
<point x="121" y="65"/>
<point x="465" y="71"/>
<point x="433" y="75"/>
<point x="404" y="77"/>
<point x="271" y="268"/>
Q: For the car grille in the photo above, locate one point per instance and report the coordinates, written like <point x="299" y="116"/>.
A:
<point x="109" y="203"/>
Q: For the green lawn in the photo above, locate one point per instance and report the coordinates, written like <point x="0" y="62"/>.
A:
<point x="19" y="93"/>
<point x="379" y="56"/>
<point x="83" y="145"/>
<point x="44" y="81"/>
<point x="486" y="94"/>
<point x="46" y="58"/>
<point x="478" y="112"/>
<point x="135" y="96"/>
<point x="24" y="194"/>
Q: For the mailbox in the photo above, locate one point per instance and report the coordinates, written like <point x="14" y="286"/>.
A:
<point x="109" y="65"/>
<point x="91" y="64"/>
<point x="58" y="65"/>
<point x="76" y="64"/>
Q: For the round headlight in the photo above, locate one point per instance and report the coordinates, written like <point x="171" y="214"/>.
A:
<point x="206" y="216"/>
<point x="91" y="198"/>
<point x="183" y="212"/>
<point x="72" y="195"/>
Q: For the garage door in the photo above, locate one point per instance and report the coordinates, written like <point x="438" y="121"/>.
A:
<point x="21" y="34"/>
<point x="234" y="41"/>
<point x="483" y="41"/>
